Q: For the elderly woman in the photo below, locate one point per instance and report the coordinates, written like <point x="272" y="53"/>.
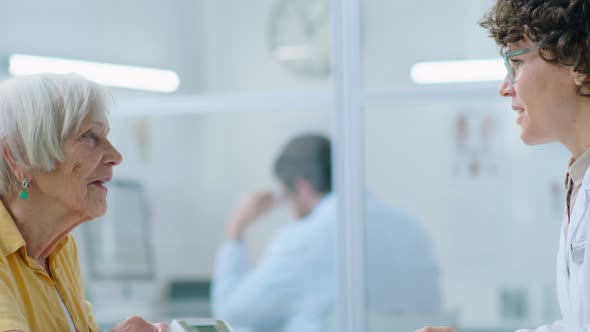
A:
<point x="56" y="160"/>
<point x="546" y="49"/>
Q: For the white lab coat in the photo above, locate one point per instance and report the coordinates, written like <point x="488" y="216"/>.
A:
<point x="573" y="277"/>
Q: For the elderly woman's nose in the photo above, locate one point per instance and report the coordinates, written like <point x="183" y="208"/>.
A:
<point x="112" y="157"/>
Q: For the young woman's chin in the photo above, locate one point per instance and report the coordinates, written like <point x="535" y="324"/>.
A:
<point x="532" y="139"/>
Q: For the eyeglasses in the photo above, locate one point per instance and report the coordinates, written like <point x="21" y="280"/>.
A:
<point x="512" y="53"/>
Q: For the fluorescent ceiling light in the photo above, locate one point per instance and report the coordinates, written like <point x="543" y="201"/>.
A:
<point x="458" y="71"/>
<point x="120" y="76"/>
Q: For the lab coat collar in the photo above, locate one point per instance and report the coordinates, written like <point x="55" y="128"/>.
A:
<point x="579" y="210"/>
<point x="586" y="179"/>
<point x="578" y="168"/>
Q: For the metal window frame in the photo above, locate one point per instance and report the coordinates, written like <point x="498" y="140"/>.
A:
<point x="348" y="165"/>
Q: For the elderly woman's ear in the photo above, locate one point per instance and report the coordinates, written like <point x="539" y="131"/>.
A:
<point x="14" y="166"/>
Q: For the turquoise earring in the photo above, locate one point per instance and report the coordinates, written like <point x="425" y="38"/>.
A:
<point x="23" y="193"/>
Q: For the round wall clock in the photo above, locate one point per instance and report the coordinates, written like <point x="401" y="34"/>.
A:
<point x="299" y="36"/>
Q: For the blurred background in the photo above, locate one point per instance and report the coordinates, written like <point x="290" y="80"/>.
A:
<point x="236" y="80"/>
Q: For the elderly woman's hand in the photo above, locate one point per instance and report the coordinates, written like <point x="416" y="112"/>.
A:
<point x="436" y="329"/>
<point x="138" y="324"/>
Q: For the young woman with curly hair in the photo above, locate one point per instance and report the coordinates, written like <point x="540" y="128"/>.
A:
<point x="546" y="48"/>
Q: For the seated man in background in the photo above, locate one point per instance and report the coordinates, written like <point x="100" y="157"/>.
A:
<point x="293" y="286"/>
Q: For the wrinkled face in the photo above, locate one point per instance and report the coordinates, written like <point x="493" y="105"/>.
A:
<point x="77" y="184"/>
<point x="543" y="96"/>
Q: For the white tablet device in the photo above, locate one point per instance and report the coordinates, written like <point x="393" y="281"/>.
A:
<point x="199" y="325"/>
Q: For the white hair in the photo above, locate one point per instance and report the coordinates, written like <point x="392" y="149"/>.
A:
<point x="37" y="112"/>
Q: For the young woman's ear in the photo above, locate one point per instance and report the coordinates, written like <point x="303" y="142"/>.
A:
<point x="579" y="78"/>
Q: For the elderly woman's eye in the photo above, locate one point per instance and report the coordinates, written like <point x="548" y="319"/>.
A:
<point x="90" y="135"/>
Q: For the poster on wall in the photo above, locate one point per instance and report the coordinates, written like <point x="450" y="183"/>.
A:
<point x="476" y="144"/>
<point x="479" y="206"/>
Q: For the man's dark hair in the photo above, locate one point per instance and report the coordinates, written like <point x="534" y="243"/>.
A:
<point x="561" y="29"/>
<point x="307" y="157"/>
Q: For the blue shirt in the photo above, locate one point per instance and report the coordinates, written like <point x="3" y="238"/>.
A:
<point x="293" y="286"/>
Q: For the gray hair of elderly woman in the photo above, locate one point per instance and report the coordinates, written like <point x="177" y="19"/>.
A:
<point x="37" y="113"/>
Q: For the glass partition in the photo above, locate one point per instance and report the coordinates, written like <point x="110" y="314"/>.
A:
<point x="467" y="193"/>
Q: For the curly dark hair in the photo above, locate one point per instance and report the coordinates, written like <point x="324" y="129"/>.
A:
<point x="560" y="28"/>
